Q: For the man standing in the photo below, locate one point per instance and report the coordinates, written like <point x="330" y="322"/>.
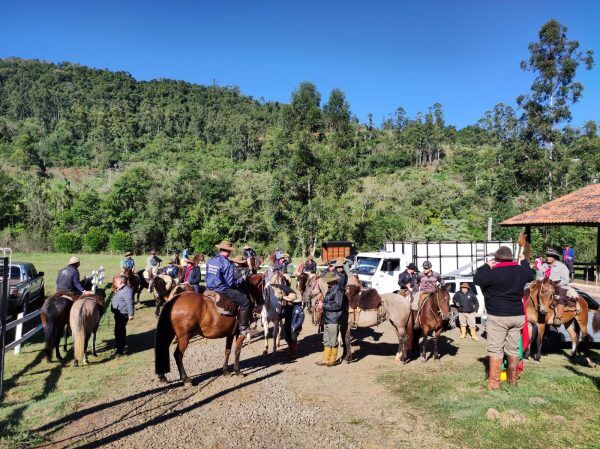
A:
<point x="467" y="304"/>
<point x="557" y="271"/>
<point x="407" y="278"/>
<point x="67" y="279"/>
<point x="503" y="281"/>
<point x="220" y="278"/>
<point x="123" y="309"/>
<point x="332" y="312"/>
<point x="569" y="259"/>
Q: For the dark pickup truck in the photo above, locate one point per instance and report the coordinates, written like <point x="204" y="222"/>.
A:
<point x="25" y="286"/>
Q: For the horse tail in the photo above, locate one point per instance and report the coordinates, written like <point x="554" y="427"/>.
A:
<point x="78" y="329"/>
<point x="164" y="336"/>
<point x="49" y="316"/>
<point x="410" y="323"/>
<point x="596" y="321"/>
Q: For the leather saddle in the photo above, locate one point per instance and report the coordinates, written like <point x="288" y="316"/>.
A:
<point x="224" y="305"/>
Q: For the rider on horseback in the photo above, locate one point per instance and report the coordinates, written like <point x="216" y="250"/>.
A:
<point x="193" y="275"/>
<point x="557" y="271"/>
<point x="240" y="267"/>
<point x="128" y="263"/>
<point x="220" y="278"/>
<point x="68" y="278"/>
<point x="408" y="277"/>
<point x="152" y="262"/>
<point x="250" y="256"/>
<point x="426" y="282"/>
<point x="310" y="266"/>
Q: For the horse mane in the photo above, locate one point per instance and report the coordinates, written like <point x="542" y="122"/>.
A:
<point x="98" y="299"/>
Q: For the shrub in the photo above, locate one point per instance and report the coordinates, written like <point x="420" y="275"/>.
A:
<point x="120" y="241"/>
<point x="95" y="240"/>
<point x="67" y="242"/>
<point x="204" y="240"/>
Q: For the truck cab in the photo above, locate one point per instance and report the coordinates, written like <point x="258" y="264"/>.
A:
<point x="26" y="285"/>
<point x="380" y="270"/>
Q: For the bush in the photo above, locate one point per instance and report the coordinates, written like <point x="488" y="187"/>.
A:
<point x="204" y="240"/>
<point x="95" y="240"/>
<point x="120" y="241"/>
<point x="67" y="242"/>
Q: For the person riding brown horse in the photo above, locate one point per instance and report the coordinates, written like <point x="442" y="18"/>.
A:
<point x="433" y="311"/>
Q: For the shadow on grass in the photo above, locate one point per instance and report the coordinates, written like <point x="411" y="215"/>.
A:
<point x="595" y="379"/>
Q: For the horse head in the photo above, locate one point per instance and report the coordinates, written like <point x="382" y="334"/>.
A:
<point x="442" y="299"/>
<point x="254" y="285"/>
<point x="543" y="294"/>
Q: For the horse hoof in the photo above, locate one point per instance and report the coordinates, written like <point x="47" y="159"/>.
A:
<point x="187" y="382"/>
<point x="239" y="373"/>
<point x="163" y="379"/>
<point x="266" y="352"/>
<point x="423" y="360"/>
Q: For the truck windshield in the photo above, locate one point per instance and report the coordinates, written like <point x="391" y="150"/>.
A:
<point x="367" y="265"/>
<point x="15" y="272"/>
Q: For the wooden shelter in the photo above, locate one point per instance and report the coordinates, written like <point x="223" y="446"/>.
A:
<point x="333" y="250"/>
<point x="579" y="208"/>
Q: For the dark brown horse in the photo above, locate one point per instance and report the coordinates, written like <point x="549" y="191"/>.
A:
<point x="189" y="314"/>
<point x="134" y="280"/>
<point x="433" y="311"/>
<point x="540" y="312"/>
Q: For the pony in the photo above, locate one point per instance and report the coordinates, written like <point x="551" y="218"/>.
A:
<point x="430" y="317"/>
<point x="398" y="311"/>
<point x="189" y="314"/>
<point x="84" y="320"/>
<point x="540" y="312"/>
<point x="273" y="294"/>
<point x="55" y="319"/>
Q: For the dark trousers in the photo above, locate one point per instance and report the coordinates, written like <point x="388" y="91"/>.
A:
<point x="121" y="320"/>
<point x="238" y="297"/>
<point x="196" y="287"/>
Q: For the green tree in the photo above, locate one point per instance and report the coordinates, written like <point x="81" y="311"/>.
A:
<point x="95" y="240"/>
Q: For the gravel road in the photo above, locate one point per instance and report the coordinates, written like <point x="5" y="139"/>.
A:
<point x="275" y="404"/>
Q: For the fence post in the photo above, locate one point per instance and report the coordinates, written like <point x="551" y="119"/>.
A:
<point x="3" y="311"/>
<point x="19" y="333"/>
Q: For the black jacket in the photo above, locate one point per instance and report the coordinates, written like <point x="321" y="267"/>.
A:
<point x="68" y="280"/>
<point x="343" y="279"/>
<point x="310" y="266"/>
<point x="195" y="276"/>
<point x="466" y="302"/>
<point x="406" y="279"/>
<point x="332" y="304"/>
<point x="503" y="287"/>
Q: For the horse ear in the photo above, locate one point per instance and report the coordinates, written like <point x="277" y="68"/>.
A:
<point x="447" y="287"/>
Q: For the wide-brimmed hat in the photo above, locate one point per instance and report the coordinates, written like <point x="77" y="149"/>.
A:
<point x="332" y="262"/>
<point x="247" y="247"/>
<point x="464" y="285"/>
<point x="128" y="253"/>
<point x="310" y="257"/>
<point x="74" y="260"/>
<point x="225" y="244"/>
<point x="239" y="259"/>
<point x="152" y="251"/>
<point x="552" y="253"/>
<point x="412" y="266"/>
<point x="292" y="297"/>
<point x="338" y="264"/>
<point x="502" y="253"/>
<point x="331" y="277"/>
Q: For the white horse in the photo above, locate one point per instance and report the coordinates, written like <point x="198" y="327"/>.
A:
<point x="274" y="291"/>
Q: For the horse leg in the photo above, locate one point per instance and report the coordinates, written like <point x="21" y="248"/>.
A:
<point x="401" y="353"/>
<point x="527" y="350"/>
<point x="182" y="342"/>
<point x="276" y="334"/>
<point x="265" y="326"/>
<point x="239" y="341"/>
<point x="574" y="339"/>
<point x="424" y="345"/>
<point x="228" y="343"/>
<point x="347" y="343"/>
<point x="540" y="338"/>
<point x="436" y="339"/>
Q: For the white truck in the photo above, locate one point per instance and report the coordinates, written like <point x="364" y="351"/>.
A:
<point x="380" y="270"/>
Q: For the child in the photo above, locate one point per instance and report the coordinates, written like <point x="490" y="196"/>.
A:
<point x="293" y="316"/>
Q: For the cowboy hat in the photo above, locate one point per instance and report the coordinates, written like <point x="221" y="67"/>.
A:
<point x="464" y="285"/>
<point x="338" y="264"/>
<point x="247" y="247"/>
<point x="73" y="260"/>
<point x="153" y="251"/>
<point x="310" y="257"/>
<point x="225" y="245"/>
<point x="412" y="266"/>
<point x="292" y="297"/>
<point x="239" y="259"/>
<point x="331" y="277"/>
<point x="552" y="253"/>
<point x="128" y="253"/>
<point x="502" y="253"/>
<point x="332" y="262"/>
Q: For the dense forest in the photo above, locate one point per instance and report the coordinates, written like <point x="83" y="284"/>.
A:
<point x="94" y="160"/>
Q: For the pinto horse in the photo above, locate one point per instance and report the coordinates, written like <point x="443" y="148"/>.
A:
<point x="540" y="312"/>
<point x="430" y="317"/>
<point x="273" y="294"/>
<point x="189" y="314"/>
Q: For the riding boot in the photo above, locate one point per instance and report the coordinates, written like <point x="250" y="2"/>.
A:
<point x="494" y="369"/>
<point x="333" y="356"/>
<point x="511" y="370"/>
<point x="326" y="354"/>
<point x="293" y="351"/>
<point x="463" y="331"/>
<point x="244" y="320"/>
<point x="473" y="336"/>
<point x="558" y="313"/>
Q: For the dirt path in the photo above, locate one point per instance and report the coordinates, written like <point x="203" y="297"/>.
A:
<point x="274" y="405"/>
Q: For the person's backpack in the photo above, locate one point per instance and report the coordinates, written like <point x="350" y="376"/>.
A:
<point x="129" y="264"/>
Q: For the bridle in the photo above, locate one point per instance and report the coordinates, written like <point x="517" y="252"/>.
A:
<point x="436" y="295"/>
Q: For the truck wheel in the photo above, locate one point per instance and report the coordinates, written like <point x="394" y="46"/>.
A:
<point x="453" y="317"/>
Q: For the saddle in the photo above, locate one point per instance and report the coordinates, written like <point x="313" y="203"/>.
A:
<point x="224" y="305"/>
<point x="366" y="309"/>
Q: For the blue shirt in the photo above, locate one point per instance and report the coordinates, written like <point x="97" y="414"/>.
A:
<point x="220" y="274"/>
<point x="68" y="280"/>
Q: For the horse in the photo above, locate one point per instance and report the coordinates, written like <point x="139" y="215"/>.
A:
<point x="312" y="299"/>
<point x="273" y="293"/>
<point x="189" y="314"/>
<point x="55" y="319"/>
<point x="162" y="291"/>
<point x="301" y="283"/>
<point x="433" y="311"/>
<point x="134" y="280"/>
<point x="398" y="311"/>
<point x="540" y="312"/>
<point x="84" y="320"/>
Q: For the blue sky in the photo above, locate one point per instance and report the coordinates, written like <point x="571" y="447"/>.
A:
<point x="382" y="54"/>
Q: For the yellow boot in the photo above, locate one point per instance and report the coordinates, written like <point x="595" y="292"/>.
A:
<point x="332" y="356"/>
<point x="463" y="331"/>
<point x="326" y="356"/>
<point x="473" y="336"/>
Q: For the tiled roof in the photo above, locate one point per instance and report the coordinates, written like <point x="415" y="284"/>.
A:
<point x="581" y="207"/>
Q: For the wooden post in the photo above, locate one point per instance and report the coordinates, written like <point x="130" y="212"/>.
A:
<point x="528" y="234"/>
<point x="598" y="256"/>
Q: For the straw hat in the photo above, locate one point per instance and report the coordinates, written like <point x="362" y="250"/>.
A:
<point x="73" y="260"/>
<point x="310" y="257"/>
<point x="331" y="277"/>
<point x="172" y="260"/>
<point x="239" y="259"/>
<point x="225" y="245"/>
<point x="464" y="285"/>
<point x="292" y="297"/>
<point x="247" y="247"/>
<point x="128" y="253"/>
<point x="503" y="253"/>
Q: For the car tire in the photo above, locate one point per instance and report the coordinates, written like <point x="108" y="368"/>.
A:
<point x="453" y="321"/>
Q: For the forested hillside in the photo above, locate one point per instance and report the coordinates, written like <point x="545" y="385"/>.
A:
<point x="95" y="160"/>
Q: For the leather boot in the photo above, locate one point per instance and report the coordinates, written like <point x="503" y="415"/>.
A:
<point x="495" y="367"/>
<point x="293" y="351"/>
<point x="511" y="369"/>
<point x="463" y="331"/>
<point x="473" y="336"/>
<point x="332" y="356"/>
<point x="558" y="313"/>
<point x="244" y="320"/>
<point x="326" y="354"/>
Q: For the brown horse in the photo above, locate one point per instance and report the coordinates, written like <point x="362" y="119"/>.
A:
<point x="312" y="298"/>
<point x="540" y="312"/>
<point x="189" y="314"/>
<point x="433" y="311"/>
<point x="84" y="320"/>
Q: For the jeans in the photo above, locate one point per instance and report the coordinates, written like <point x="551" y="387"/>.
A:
<point x="238" y="297"/>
